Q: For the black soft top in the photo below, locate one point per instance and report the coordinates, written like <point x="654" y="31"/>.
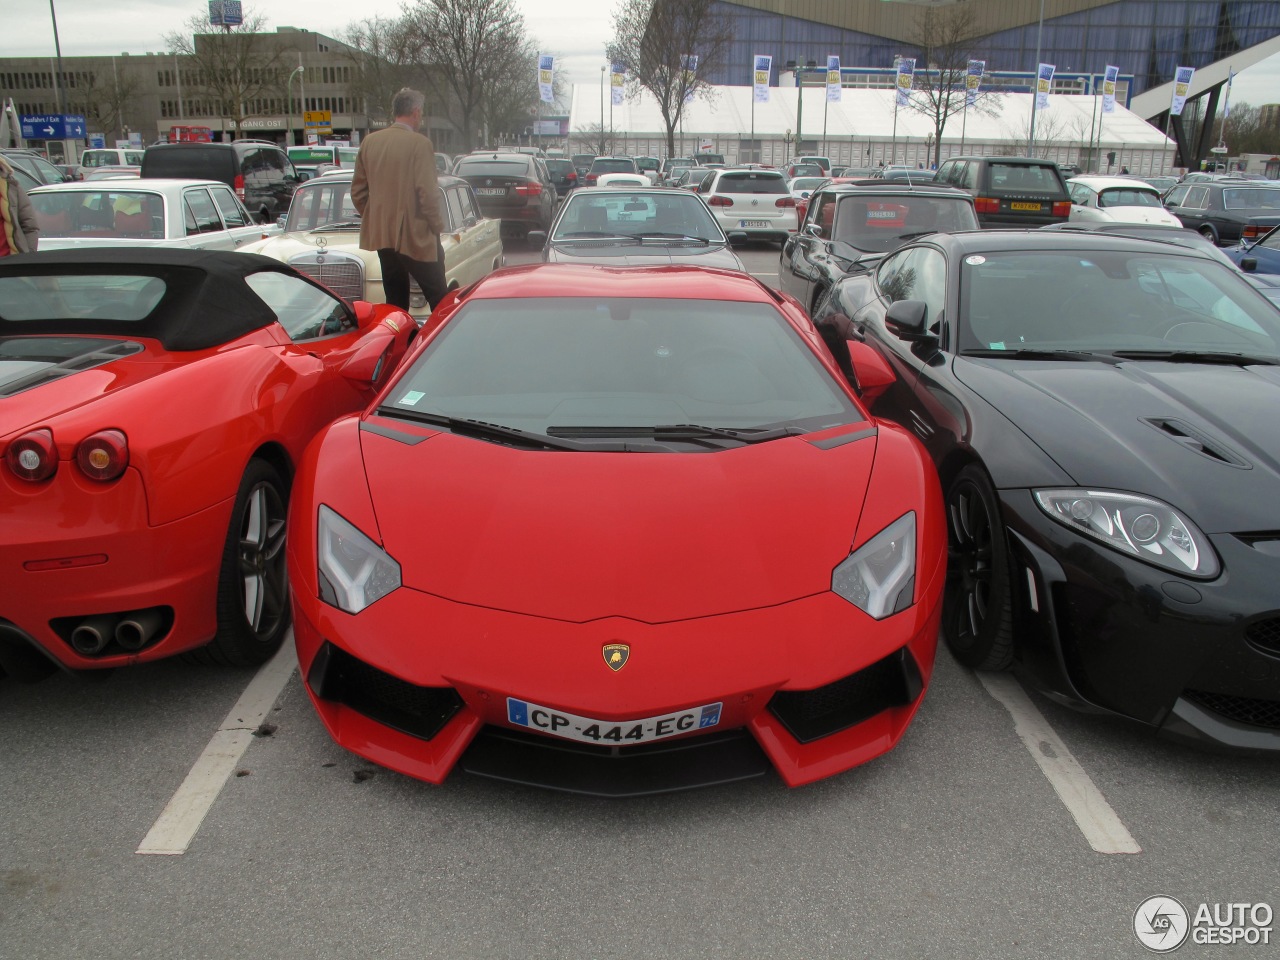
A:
<point x="206" y="301"/>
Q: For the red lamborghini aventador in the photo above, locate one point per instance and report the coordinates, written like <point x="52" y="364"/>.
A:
<point x="617" y="531"/>
<point x="153" y="405"/>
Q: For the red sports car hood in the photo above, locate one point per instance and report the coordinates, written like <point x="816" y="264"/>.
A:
<point x="651" y="536"/>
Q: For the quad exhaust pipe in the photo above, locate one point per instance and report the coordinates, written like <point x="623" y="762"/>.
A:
<point x="91" y="636"/>
<point x="131" y="631"/>
<point x="135" y="630"/>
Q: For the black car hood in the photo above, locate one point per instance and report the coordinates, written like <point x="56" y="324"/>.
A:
<point x="1203" y="437"/>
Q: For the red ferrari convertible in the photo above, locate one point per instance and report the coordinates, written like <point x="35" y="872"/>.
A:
<point x="153" y="405"/>
<point x="617" y="531"/>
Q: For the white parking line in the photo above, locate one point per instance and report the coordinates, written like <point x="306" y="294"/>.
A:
<point x="182" y="816"/>
<point x="1085" y="802"/>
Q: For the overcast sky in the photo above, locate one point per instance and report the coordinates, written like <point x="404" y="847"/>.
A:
<point x="575" y="31"/>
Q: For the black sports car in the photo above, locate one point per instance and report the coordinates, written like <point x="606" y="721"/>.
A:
<point x="848" y="224"/>
<point x="1102" y="413"/>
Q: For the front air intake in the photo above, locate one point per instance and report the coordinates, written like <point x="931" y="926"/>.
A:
<point x="810" y="715"/>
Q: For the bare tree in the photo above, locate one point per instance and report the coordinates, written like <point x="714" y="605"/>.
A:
<point x="234" y="67"/>
<point x="594" y="138"/>
<point x="653" y="38"/>
<point x="384" y="58"/>
<point x="945" y="38"/>
<point x="106" y="101"/>
<point x="480" y="65"/>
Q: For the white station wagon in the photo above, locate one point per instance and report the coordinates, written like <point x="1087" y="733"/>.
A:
<point x="196" y="214"/>
<point x="321" y="238"/>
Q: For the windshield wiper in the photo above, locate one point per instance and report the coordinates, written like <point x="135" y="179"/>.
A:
<point x="683" y="238"/>
<point x="1197" y="356"/>
<point x="334" y="224"/>
<point x="1041" y="355"/>
<point x="479" y="428"/>
<point x="679" y="431"/>
<point x="591" y="235"/>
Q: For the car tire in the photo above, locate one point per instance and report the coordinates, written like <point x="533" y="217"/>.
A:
<point x="1209" y="234"/>
<point x="253" y="587"/>
<point x="977" y="607"/>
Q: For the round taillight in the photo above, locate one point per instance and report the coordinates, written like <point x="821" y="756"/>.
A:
<point x="104" y="455"/>
<point x="33" y="456"/>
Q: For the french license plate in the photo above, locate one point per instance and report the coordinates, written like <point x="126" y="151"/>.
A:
<point x="746" y="224"/>
<point x="522" y="713"/>
<point x="1025" y="206"/>
<point x="491" y="191"/>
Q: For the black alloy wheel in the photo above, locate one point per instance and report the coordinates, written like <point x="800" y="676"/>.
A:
<point x="977" y="610"/>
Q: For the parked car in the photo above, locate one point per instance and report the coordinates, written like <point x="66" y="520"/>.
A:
<point x="444" y="163"/>
<point x="34" y="165"/>
<point x="558" y="410"/>
<point x="754" y="202"/>
<point x="111" y="173"/>
<point x="260" y="172"/>
<point x="854" y="224"/>
<point x="156" y="403"/>
<point x="802" y="187"/>
<point x="793" y="170"/>
<point x="1009" y="191"/>
<point x="632" y="180"/>
<point x="321" y="239"/>
<point x="1162" y="184"/>
<point x="563" y="175"/>
<point x="582" y="163"/>
<point x="695" y="178"/>
<point x="665" y="174"/>
<point x="650" y="167"/>
<point x="1102" y="414"/>
<point x="111" y="157"/>
<point x="1118" y="199"/>
<point x="513" y="188"/>
<point x="1226" y="208"/>
<point x="197" y="214"/>
<point x="1259" y="256"/>
<point x="636" y="225"/>
<point x="676" y="174"/>
<point x="609" y="165"/>
<point x="823" y="162"/>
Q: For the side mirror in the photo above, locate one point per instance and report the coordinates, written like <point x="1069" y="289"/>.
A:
<point x="907" y="319"/>
<point x="871" y="371"/>
<point x="364" y="312"/>
<point x="367" y="365"/>
<point x="537" y="238"/>
<point x="1249" y="264"/>
<point x="813" y="230"/>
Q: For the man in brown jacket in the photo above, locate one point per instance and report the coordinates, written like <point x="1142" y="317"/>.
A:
<point x="394" y="188"/>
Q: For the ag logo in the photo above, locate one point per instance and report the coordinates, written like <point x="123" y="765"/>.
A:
<point x="616" y="655"/>
<point x="1161" y="924"/>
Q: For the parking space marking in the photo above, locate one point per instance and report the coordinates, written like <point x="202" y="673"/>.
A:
<point x="1083" y="800"/>
<point x="186" y="810"/>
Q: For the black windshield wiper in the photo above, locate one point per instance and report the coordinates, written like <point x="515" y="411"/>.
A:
<point x="591" y="235"/>
<point x="679" y="237"/>
<point x="678" y="431"/>
<point x="1196" y="356"/>
<point x="1041" y="355"/>
<point x="479" y="428"/>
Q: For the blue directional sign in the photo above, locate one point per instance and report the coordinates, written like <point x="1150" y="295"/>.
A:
<point x="52" y="126"/>
<point x="225" y="13"/>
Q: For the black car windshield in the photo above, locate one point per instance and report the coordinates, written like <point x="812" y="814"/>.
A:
<point x="592" y="213"/>
<point x="1111" y="300"/>
<point x="562" y="362"/>
<point x="875" y="226"/>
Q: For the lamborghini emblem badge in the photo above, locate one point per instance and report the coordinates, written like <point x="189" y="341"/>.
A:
<point x="616" y="655"/>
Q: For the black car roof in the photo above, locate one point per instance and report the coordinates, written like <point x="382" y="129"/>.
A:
<point x="206" y="301"/>
<point x="992" y="241"/>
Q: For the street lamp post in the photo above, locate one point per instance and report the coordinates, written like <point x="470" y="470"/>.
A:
<point x="1035" y="87"/>
<point x="288" y="97"/>
<point x="57" y="47"/>
<point x="602" y="144"/>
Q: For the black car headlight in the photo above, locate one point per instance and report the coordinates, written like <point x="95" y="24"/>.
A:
<point x="879" y="577"/>
<point x="1142" y="527"/>
<point x="354" y="571"/>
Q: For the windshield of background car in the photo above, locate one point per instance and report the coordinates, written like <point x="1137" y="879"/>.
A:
<point x="751" y="181"/>
<point x="646" y="163"/>
<point x="540" y="363"/>
<point x="613" y="166"/>
<point x="1105" y="300"/>
<point x="79" y="296"/>
<point x="114" y="213"/>
<point x="492" y="168"/>
<point x="1128" y="197"/>
<point x="559" y="167"/>
<point x="1025" y="176"/>
<point x="321" y="202"/>
<point x="807" y="183"/>
<point x="1251" y="198"/>
<point x="879" y="225"/>
<point x="678" y="214"/>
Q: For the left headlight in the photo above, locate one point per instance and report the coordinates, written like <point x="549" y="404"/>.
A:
<point x="879" y="577"/>
<point x="1143" y="527"/>
<point x="354" y="571"/>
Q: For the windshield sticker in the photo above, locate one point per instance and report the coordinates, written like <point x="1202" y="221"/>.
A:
<point x="999" y="345"/>
<point x="412" y="397"/>
<point x="975" y="260"/>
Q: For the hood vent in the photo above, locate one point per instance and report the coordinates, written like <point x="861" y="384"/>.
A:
<point x="1197" y="442"/>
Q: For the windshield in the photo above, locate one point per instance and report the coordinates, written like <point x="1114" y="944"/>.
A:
<point x="880" y="225"/>
<point x="1111" y="300"/>
<point x="563" y="362"/>
<point x="321" y="202"/>
<point x="679" y="214"/>
<point x="1128" y="197"/>
<point x="613" y="166"/>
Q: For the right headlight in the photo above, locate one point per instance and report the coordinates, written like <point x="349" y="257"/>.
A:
<point x="354" y="571"/>
<point x="1142" y="527"/>
<point x="879" y="577"/>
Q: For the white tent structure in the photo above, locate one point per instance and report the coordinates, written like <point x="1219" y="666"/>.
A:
<point x="861" y="128"/>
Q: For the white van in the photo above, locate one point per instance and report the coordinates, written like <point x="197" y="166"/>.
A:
<point x="111" y="157"/>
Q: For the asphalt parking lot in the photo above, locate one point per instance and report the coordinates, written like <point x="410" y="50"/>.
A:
<point x="1002" y="826"/>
